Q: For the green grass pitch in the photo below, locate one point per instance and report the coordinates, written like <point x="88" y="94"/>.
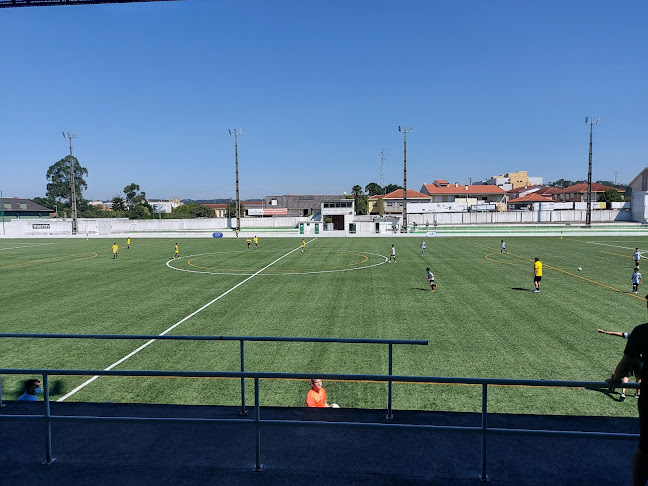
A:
<point x="483" y="320"/>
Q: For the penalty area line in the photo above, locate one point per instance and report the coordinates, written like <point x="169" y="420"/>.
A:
<point x="133" y="353"/>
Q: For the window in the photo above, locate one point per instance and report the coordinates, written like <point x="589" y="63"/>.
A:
<point x="273" y="202"/>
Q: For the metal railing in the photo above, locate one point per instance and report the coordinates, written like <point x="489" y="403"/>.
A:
<point x="241" y="339"/>
<point x="257" y="422"/>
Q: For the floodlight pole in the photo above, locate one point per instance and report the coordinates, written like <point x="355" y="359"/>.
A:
<point x="70" y="136"/>
<point x="588" y="214"/>
<point x="236" y="132"/>
<point x="405" y="129"/>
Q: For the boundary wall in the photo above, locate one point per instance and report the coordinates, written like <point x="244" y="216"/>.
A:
<point x="538" y="223"/>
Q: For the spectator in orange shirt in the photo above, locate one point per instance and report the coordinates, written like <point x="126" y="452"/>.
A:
<point x="316" y="395"/>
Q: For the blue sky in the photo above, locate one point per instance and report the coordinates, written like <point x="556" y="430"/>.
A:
<point x="319" y="89"/>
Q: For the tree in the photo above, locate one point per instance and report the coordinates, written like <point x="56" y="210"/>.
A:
<point x="391" y="188"/>
<point x="360" y="199"/>
<point x="610" y="196"/>
<point x="132" y="196"/>
<point x="58" y="175"/>
<point x="140" y="211"/>
<point x="373" y="189"/>
<point x="46" y="202"/>
<point x="231" y="210"/>
<point x="192" y="210"/>
<point x="118" y="203"/>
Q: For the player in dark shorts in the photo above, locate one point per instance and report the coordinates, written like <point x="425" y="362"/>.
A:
<point x="637" y="348"/>
<point x="430" y="277"/>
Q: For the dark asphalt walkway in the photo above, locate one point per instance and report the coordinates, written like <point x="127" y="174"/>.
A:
<point x="161" y="454"/>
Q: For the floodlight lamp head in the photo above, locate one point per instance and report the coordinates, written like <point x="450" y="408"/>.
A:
<point x="598" y="120"/>
<point x="399" y="128"/>
<point x="63" y="133"/>
<point x="229" y="131"/>
<point x="586" y="120"/>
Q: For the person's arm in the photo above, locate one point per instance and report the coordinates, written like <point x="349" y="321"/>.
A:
<point x="309" y="400"/>
<point x="622" y="368"/>
<point x="611" y="333"/>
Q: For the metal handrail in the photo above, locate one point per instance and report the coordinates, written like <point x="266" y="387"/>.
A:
<point x="484" y="430"/>
<point x="241" y="339"/>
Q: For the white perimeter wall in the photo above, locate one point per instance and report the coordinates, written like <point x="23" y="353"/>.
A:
<point x="573" y="216"/>
<point x="60" y="227"/>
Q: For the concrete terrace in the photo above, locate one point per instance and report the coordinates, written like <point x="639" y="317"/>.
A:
<point x="173" y="454"/>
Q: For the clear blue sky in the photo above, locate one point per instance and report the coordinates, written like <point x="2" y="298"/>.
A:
<point x="318" y="89"/>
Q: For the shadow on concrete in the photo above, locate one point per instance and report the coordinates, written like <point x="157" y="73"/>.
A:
<point x="136" y="453"/>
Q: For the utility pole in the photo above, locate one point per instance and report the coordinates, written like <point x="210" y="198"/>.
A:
<point x="405" y="129"/>
<point x="382" y="169"/>
<point x="70" y="136"/>
<point x="236" y="132"/>
<point x="588" y="215"/>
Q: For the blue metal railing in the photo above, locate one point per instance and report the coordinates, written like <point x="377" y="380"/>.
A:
<point x="257" y="422"/>
<point x="241" y="339"/>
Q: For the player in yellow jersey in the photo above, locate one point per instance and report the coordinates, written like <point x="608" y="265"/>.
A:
<point x="176" y="251"/>
<point x="256" y="242"/>
<point x="249" y="242"/>
<point x="128" y="243"/>
<point x="537" y="274"/>
<point x="115" y="248"/>
<point x="303" y="246"/>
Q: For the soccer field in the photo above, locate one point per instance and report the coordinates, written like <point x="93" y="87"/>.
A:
<point x="482" y="321"/>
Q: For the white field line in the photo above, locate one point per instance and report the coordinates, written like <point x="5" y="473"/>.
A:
<point x="133" y="353"/>
<point x="614" y="246"/>
<point x="26" y="246"/>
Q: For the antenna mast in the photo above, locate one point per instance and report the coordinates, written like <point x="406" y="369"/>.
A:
<point x="382" y="169"/>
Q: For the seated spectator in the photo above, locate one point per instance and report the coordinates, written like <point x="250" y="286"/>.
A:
<point x="316" y="395"/>
<point x="32" y="388"/>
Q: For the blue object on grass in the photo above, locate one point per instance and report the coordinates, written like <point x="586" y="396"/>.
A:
<point x="217" y="235"/>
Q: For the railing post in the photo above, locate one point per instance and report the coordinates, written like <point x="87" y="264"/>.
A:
<point x="390" y="415"/>
<point x="242" y="353"/>
<point x="257" y="424"/>
<point x="48" y="424"/>
<point x="1" y="404"/>
<point x="484" y="431"/>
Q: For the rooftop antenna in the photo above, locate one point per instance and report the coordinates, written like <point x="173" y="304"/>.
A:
<point x="588" y="214"/>
<point x="70" y="136"/>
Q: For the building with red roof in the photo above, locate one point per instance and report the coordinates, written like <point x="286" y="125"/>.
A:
<point x="481" y="193"/>
<point x="578" y="192"/>
<point x="392" y="203"/>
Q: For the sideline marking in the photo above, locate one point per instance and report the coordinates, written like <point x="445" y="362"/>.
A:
<point x="26" y="246"/>
<point x="614" y="246"/>
<point x="232" y="272"/>
<point x="120" y="361"/>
